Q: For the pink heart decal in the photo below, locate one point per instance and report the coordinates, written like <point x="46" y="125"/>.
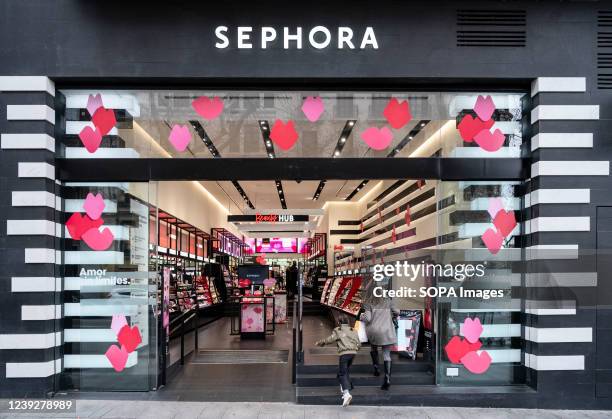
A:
<point x="98" y="240"/>
<point x="493" y="240"/>
<point x="129" y="338"/>
<point x="118" y="322"/>
<point x="117" y="357"/>
<point x="484" y="107"/>
<point x="249" y="320"/>
<point x="476" y="364"/>
<point x="490" y="141"/>
<point x="377" y="139"/>
<point x="397" y="113"/>
<point x="93" y="103"/>
<point x="283" y="135"/>
<point x="104" y="120"/>
<point x="208" y="108"/>
<point x="470" y="126"/>
<point x="313" y="108"/>
<point x="94" y="205"/>
<point x="472" y="329"/>
<point x="495" y="205"/>
<point x="78" y="224"/>
<point x="91" y="139"/>
<point x="505" y="222"/>
<point x="180" y="137"/>
<point x="257" y="310"/>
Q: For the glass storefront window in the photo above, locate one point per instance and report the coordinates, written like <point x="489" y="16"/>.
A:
<point x="110" y="330"/>
<point x="214" y="124"/>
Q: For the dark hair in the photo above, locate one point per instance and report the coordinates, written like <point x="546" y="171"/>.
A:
<point x="343" y="319"/>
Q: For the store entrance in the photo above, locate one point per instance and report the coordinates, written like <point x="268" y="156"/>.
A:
<point x="248" y="302"/>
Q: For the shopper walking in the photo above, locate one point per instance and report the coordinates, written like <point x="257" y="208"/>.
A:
<point x="347" y="342"/>
<point x="291" y="275"/>
<point x="380" y="318"/>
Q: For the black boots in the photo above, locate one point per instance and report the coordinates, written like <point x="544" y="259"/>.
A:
<point x="374" y="355"/>
<point x="387" y="382"/>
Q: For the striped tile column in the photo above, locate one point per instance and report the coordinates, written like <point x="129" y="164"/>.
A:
<point x="561" y="276"/>
<point x="30" y="288"/>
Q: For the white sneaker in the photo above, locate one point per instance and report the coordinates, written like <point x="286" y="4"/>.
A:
<point x="346" y="399"/>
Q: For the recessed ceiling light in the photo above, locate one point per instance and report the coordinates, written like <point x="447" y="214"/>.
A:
<point x="422" y="124"/>
<point x="337" y="153"/>
<point x="342" y="139"/>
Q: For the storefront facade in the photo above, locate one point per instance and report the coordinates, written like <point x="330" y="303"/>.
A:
<point x="546" y="61"/>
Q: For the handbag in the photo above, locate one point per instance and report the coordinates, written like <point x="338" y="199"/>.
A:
<point x="361" y="331"/>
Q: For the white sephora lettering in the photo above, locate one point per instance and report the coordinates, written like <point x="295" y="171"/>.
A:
<point x="318" y="37"/>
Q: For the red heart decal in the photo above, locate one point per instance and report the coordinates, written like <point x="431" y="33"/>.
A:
<point x="257" y="310"/>
<point x="397" y="113"/>
<point x="469" y="127"/>
<point x="98" y="240"/>
<point x="283" y="135"/>
<point x="393" y="235"/>
<point x="129" y="338"/>
<point x="475" y="363"/>
<point x="91" y="139"/>
<point x="78" y="224"/>
<point x="457" y="348"/>
<point x="493" y="240"/>
<point x="117" y="357"/>
<point x="490" y="141"/>
<point x="104" y="120"/>
<point x="249" y="320"/>
<point x="407" y="216"/>
<point x="484" y="107"/>
<point x="208" y="108"/>
<point x="505" y="222"/>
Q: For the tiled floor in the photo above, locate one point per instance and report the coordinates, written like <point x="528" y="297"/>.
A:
<point x="115" y="409"/>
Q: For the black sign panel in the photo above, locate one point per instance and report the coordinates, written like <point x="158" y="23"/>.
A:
<point x="267" y="218"/>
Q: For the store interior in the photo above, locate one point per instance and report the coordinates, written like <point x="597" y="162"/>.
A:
<point x="227" y="317"/>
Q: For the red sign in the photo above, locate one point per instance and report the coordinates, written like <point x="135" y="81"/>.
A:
<point x="338" y="247"/>
<point x="266" y="218"/>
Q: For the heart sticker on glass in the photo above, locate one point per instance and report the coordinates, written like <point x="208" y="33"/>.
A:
<point x="129" y="337"/>
<point x="283" y="134"/>
<point x="377" y="138"/>
<point x="118" y="322"/>
<point x="104" y="120"/>
<point x="78" y="224"/>
<point x="470" y="126"/>
<point x="490" y="141"/>
<point x="457" y="348"/>
<point x="472" y="329"/>
<point x="397" y="113"/>
<point x="505" y="222"/>
<point x="313" y="108"/>
<point x="91" y="139"/>
<point x="493" y="240"/>
<point x="98" y="240"/>
<point x="93" y="103"/>
<point x="117" y="356"/>
<point x="208" y="108"/>
<point x="484" y="107"/>
<point x="476" y="363"/>
<point x="180" y="137"/>
<point x="94" y="205"/>
<point x="495" y="205"/>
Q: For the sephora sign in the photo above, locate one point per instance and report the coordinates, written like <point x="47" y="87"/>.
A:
<point x="319" y="37"/>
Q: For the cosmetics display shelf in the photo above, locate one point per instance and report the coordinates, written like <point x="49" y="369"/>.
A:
<point x="343" y="293"/>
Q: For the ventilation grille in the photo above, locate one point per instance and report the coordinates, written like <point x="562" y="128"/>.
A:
<point x="604" y="49"/>
<point x="491" y="28"/>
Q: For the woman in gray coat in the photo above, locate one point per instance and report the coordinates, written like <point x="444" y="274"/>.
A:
<point x="379" y="316"/>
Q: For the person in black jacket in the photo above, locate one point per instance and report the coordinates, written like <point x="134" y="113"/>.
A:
<point x="291" y="278"/>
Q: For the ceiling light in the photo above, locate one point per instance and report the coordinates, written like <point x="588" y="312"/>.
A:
<point x="337" y="153"/>
<point x="342" y="139"/>
<point x="351" y="123"/>
<point x="422" y="124"/>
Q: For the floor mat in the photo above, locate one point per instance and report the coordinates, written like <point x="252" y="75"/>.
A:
<point x="243" y="356"/>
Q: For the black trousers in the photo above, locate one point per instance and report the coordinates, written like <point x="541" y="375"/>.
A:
<point x="344" y="366"/>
